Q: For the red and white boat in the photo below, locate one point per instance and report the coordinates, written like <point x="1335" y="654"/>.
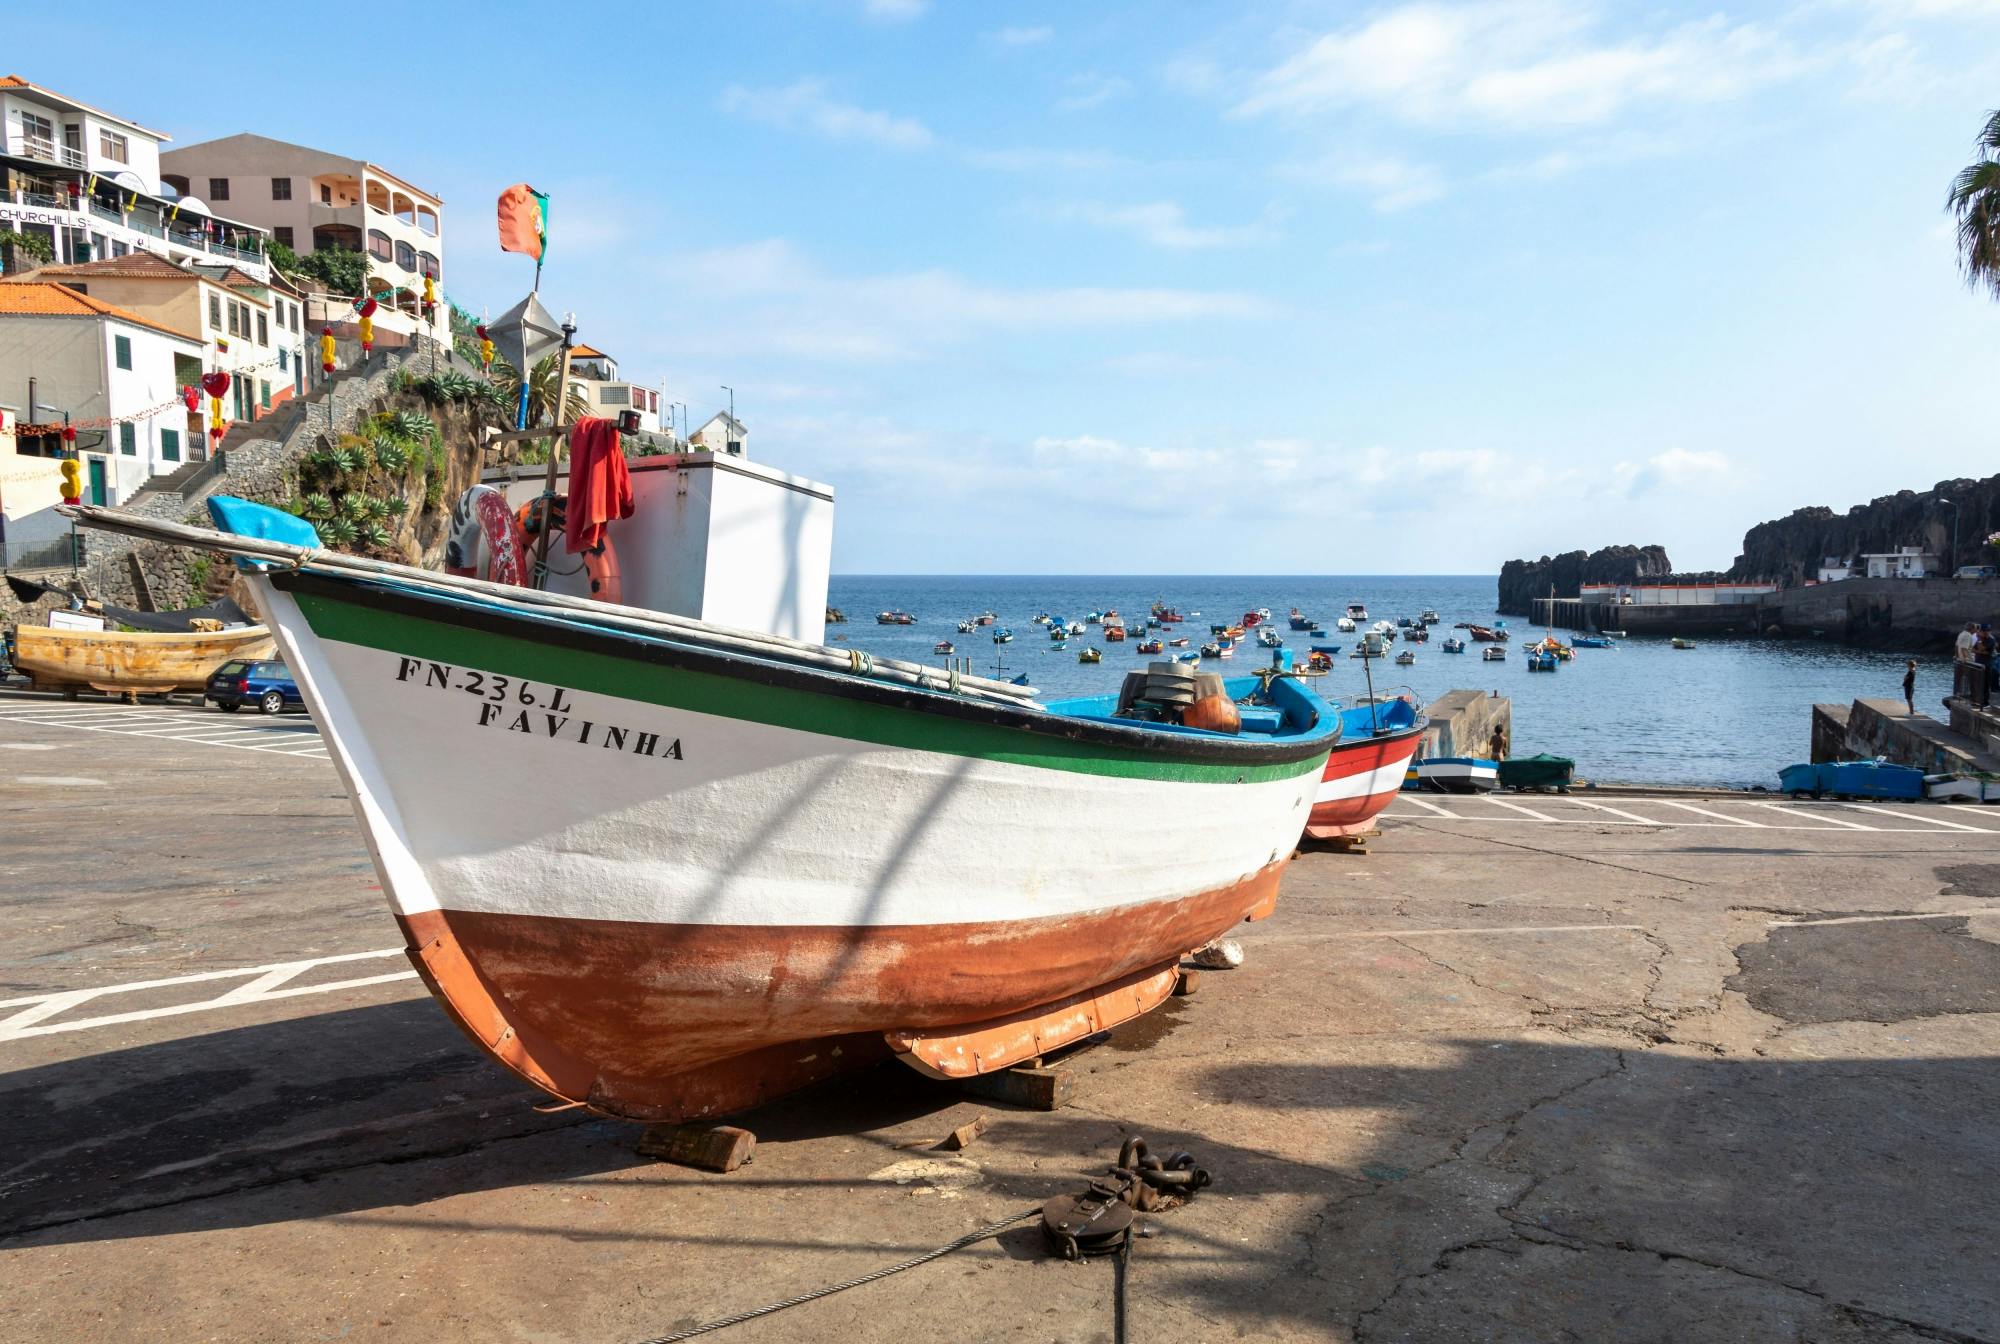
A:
<point x="1365" y="770"/>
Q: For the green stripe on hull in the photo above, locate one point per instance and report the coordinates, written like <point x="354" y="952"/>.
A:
<point x="780" y="706"/>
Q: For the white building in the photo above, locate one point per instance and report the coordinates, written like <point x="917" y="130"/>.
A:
<point x="1834" y="568"/>
<point x="88" y="184"/>
<point x="1911" y="562"/>
<point x="309" y="199"/>
<point x="118" y="377"/>
<point x="593" y="376"/>
<point x="721" y="434"/>
<point x="253" y="329"/>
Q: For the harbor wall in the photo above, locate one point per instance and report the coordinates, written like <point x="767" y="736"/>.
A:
<point x="1704" y="618"/>
<point x="1905" y="612"/>
<point x="1829" y="733"/>
<point x="1885" y="729"/>
<point x="1462" y="723"/>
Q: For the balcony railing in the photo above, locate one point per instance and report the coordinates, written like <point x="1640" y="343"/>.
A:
<point x="145" y="219"/>
<point x="48" y="151"/>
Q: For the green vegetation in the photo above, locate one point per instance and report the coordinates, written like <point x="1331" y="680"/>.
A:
<point x="15" y="246"/>
<point x="541" y="391"/>
<point x="341" y="271"/>
<point x="1974" y="201"/>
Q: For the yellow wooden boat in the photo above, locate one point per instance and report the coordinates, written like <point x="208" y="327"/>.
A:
<point x="140" y="662"/>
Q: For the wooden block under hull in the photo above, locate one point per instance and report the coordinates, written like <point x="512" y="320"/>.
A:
<point x="1034" y="1089"/>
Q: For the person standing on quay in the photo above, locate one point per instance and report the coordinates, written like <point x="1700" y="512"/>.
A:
<point x="1967" y="641"/>
<point x="1910" y="685"/>
<point x="1982" y="658"/>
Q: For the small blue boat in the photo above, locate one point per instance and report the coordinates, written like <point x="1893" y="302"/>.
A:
<point x="1003" y="636"/>
<point x="1591" y="642"/>
<point x="1330" y="650"/>
<point x="1543" y="661"/>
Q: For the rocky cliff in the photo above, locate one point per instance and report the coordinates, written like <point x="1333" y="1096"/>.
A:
<point x="1523" y="580"/>
<point x="1791" y="549"/>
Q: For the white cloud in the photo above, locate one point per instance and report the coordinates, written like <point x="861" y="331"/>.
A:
<point x="1676" y="469"/>
<point x="1517" y="63"/>
<point x="1164" y="224"/>
<point x="768" y="295"/>
<point x="1390" y="183"/>
<point x="804" y="105"/>
<point x="1022" y="37"/>
<point x="1092" y="90"/>
<point x="895" y="11"/>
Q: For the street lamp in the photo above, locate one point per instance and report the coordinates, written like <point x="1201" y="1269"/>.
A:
<point x="1952" y="504"/>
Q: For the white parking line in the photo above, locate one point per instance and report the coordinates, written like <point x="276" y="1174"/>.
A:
<point x="1791" y="811"/>
<point x="1874" y="919"/>
<point x="263" y="984"/>
<point x="1722" y="816"/>
<point x="1632" y="817"/>
<point x="1911" y="814"/>
<point x="1429" y="806"/>
<point x="180" y="724"/>
<point x="1524" y="811"/>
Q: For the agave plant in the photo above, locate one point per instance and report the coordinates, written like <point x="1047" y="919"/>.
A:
<point x="354" y="506"/>
<point x="392" y="455"/>
<point x="382" y="510"/>
<point x="411" y="426"/>
<point x="316" y="507"/>
<point x="446" y="385"/>
<point x="374" y="536"/>
<point x="342" y="460"/>
<point x="339" y="532"/>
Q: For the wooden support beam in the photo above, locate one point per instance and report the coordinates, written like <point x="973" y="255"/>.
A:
<point x="1032" y="1088"/>
<point x="710" y="1147"/>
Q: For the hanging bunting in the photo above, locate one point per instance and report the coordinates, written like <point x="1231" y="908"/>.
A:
<point x="367" y="309"/>
<point x="326" y="349"/>
<point x="485" y="350"/>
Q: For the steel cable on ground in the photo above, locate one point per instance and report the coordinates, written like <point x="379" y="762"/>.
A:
<point x="723" y="1323"/>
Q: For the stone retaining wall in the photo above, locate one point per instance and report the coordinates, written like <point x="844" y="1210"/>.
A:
<point x="1462" y="723"/>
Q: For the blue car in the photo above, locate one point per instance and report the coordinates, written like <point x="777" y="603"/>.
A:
<point x="240" y="682"/>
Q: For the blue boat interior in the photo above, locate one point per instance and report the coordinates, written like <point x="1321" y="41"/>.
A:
<point x="1286" y="710"/>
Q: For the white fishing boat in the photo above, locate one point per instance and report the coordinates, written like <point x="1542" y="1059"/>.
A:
<point x="1345" y="625"/>
<point x="667" y="869"/>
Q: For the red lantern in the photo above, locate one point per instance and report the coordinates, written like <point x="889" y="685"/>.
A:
<point x="69" y="433"/>
<point x="216" y="384"/>
<point x="326" y="349"/>
<point x="191" y="397"/>
<point x="367" y="308"/>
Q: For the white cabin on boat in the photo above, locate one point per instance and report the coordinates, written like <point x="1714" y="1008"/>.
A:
<point x="711" y="537"/>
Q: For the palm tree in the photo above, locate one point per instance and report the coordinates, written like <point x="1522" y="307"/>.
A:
<point x="1975" y="200"/>
<point x="541" y="391"/>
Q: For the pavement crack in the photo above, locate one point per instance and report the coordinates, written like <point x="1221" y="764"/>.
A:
<point x="1564" y="854"/>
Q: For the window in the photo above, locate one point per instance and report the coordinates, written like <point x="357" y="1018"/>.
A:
<point x="218" y="188"/>
<point x="128" y="439"/>
<point x="215" y="312"/>
<point x="378" y="245"/>
<point x="113" y="147"/>
<point x="121" y="351"/>
<point x="38" y="128"/>
<point x="263" y="394"/>
<point x="232" y="319"/>
<point x="283" y="365"/>
<point x="281" y="188"/>
<point x="406" y="256"/>
<point x="170" y="445"/>
<point x="325" y="194"/>
<point x="613" y="396"/>
<point x="428" y="265"/>
<point x="283" y="233"/>
<point x="263" y="329"/>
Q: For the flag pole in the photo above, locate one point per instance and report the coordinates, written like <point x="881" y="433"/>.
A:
<point x="540" y="577"/>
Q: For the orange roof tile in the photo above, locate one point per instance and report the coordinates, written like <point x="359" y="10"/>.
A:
<point x="586" y="352"/>
<point x="139" y="265"/>
<point x="33" y="298"/>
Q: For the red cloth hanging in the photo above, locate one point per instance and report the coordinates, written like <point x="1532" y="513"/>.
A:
<point x="600" y="484"/>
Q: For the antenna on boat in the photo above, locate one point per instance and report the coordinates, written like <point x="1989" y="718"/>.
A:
<point x="1371" y="646"/>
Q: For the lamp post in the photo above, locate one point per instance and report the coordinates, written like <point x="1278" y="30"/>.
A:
<point x="1952" y="504"/>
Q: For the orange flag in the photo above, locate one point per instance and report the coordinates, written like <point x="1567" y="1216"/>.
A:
<point x="524" y="221"/>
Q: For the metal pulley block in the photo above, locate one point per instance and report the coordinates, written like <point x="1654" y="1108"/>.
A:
<point x="1096" y="1222"/>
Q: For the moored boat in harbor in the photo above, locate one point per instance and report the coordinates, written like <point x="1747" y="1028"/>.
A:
<point x="1365" y="769"/>
<point x="1457" y="774"/>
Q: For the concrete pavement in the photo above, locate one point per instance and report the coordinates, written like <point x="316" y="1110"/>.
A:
<point x="1713" y="1069"/>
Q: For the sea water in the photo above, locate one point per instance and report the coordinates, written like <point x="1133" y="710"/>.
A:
<point x="1728" y="712"/>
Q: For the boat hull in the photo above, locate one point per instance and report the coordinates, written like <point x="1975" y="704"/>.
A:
<point x="667" y="887"/>
<point x="144" y="662"/>
<point x="1457" y="775"/>
<point x="1362" y="776"/>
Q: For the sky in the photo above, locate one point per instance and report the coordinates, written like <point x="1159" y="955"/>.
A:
<point x="1160" y="287"/>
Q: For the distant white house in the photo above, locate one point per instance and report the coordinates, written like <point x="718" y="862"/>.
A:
<point x="1911" y="562"/>
<point x="594" y="378"/>
<point x="1834" y="568"/>
<point x="721" y="434"/>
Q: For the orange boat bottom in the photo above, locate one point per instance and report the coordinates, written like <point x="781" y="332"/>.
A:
<point x="660" y="1022"/>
